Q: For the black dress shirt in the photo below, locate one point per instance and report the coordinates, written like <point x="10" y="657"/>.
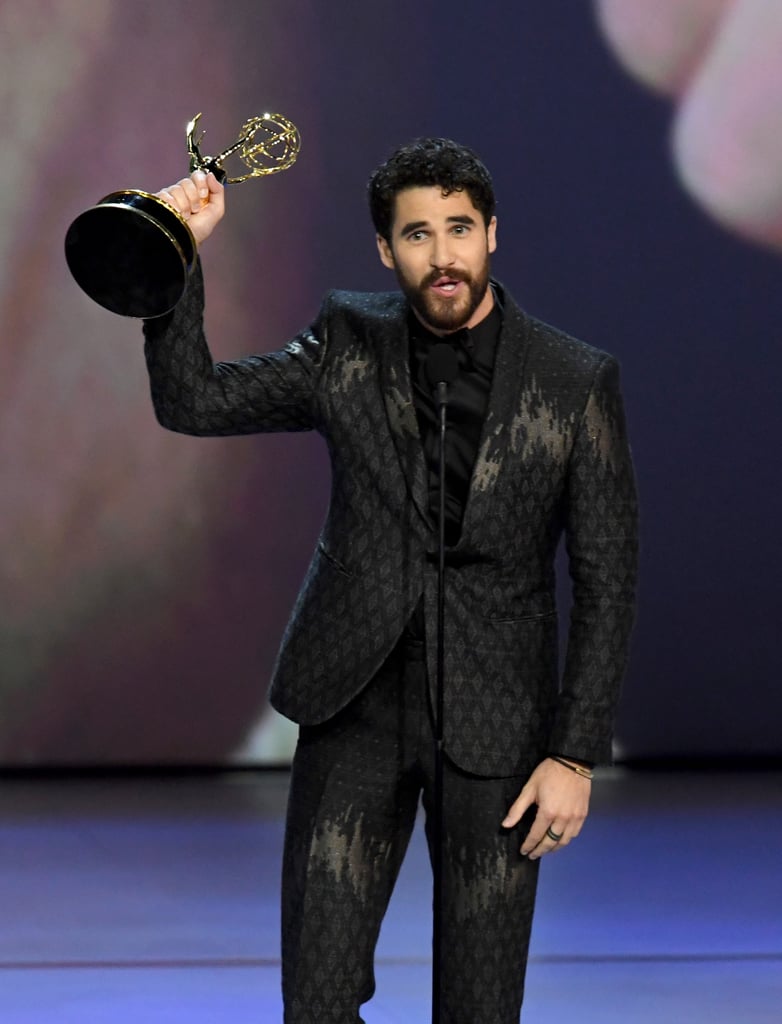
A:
<point x="468" y="400"/>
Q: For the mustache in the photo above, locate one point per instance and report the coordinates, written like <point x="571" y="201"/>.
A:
<point x="452" y="275"/>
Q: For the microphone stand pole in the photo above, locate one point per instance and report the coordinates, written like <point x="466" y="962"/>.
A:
<point x="438" y="832"/>
<point x="442" y="369"/>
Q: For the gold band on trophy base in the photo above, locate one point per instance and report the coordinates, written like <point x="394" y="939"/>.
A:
<point x="132" y="252"/>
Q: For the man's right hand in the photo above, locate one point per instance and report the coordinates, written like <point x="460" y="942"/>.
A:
<point x="200" y="200"/>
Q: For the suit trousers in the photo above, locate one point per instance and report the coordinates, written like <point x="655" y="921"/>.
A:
<point x="355" y="787"/>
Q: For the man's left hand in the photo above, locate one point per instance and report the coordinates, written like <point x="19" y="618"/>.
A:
<point x="562" y="798"/>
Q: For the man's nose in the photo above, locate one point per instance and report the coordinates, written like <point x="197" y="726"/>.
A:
<point x="442" y="254"/>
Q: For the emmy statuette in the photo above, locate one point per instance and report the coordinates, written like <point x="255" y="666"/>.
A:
<point x="132" y="252"/>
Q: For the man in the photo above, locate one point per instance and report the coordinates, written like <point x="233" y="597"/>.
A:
<point x="537" y="447"/>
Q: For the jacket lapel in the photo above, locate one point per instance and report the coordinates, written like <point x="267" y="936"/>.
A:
<point x="393" y="343"/>
<point x="502" y="415"/>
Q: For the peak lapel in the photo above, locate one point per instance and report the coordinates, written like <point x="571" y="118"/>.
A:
<point x="393" y="343"/>
<point x="503" y="408"/>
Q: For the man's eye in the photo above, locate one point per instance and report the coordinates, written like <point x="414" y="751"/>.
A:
<point x="416" y="236"/>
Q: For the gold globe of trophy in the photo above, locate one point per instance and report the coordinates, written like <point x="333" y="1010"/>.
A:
<point x="133" y="252"/>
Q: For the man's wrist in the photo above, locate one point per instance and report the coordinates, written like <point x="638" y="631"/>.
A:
<point x="582" y="768"/>
<point x="574" y="760"/>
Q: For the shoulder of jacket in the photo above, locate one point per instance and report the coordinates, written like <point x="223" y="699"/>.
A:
<point x="370" y="308"/>
<point x="549" y="342"/>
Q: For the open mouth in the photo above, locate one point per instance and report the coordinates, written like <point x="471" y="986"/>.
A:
<point x="446" y="285"/>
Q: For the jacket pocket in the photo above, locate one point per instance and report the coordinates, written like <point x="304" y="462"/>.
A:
<point x="530" y="617"/>
<point x="334" y="562"/>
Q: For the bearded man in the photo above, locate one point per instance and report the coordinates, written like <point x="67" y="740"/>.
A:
<point x="537" y="448"/>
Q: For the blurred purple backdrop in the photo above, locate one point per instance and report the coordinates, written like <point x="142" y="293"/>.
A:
<point x="145" y="577"/>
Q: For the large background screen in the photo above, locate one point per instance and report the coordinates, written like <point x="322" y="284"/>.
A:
<point x="146" y="578"/>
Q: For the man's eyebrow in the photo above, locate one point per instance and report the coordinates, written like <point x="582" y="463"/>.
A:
<point x="413" y="225"/>
<point x="461" y="218"/>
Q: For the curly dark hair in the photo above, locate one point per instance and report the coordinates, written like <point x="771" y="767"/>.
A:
<point x="424" y="162"/>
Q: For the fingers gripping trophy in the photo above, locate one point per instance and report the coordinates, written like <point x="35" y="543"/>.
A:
<point x="133" y="251"/>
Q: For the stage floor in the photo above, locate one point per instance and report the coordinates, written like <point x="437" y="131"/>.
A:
<point x="154" y="901"/>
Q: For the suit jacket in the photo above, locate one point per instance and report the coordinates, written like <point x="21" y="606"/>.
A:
<point x="553" y="458"/>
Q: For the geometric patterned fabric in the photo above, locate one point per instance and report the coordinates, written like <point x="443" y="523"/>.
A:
<point x="355" y="788"/>
<point x="553" y="457"/>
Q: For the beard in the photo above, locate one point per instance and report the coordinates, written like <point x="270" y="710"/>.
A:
<point x="440" y="313"/>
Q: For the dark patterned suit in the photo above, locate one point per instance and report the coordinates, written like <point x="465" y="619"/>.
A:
<point x="553" y="457"/>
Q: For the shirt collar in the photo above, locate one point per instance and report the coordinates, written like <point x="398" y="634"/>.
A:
<point x="478" y="342"/>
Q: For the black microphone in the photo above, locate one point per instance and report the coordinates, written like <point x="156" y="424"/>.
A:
<point x="442" y="369"/>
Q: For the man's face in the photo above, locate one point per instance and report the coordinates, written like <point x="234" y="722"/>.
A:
<point x="439" y="249"/>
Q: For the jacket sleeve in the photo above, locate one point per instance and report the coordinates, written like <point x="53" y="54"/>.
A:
<point x="191" y="394"/>
<point x="601" y="534"/>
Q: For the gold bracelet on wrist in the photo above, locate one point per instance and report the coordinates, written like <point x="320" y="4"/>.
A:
<point x="579" y="769"/>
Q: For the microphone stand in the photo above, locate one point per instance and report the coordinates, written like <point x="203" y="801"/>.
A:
<point x="442" y="368"/>
<point x="437" y="860"/>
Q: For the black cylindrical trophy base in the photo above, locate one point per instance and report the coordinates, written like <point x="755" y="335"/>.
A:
<point x="131" y="253"/>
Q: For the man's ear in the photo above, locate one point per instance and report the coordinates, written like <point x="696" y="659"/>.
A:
<point x="385" y="251"/>
<point x="491" y="234"/>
